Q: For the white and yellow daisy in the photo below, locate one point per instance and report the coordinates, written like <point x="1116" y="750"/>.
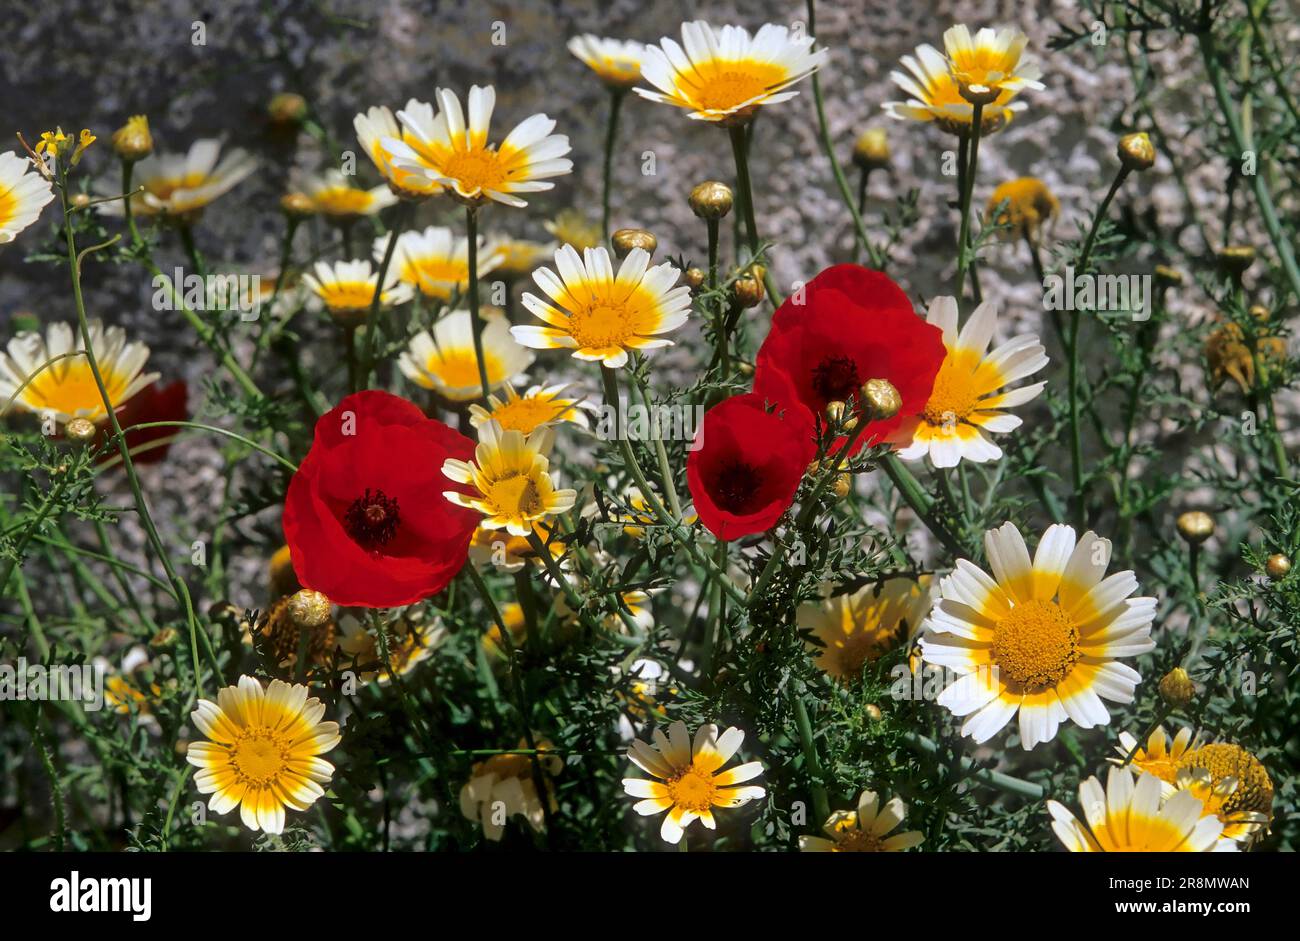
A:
<point x="859" y="627"/>
<point x="688" y="781"/>
<point x="1129" y="818"/>
<point x="346" y="288"/>
<point x="967" y="403"/>
<point x="1041" y="638"/>
<point x="436" y="261"/>
<point x="991" y="60"/>
<point x="1233" y="784"/>
<point x="23" y="194"/>
<point x="725" y="75"/>
<point x="263" y="751"/>
<point x="1160" y="757"/>
<point x="377" y="123"/>
<point x="65" y="388"/>
<point x="455" y="154"/>
<point x="511" y="553"/>
<point x="865" y="830"/>
<point x="1222" y="798"/>
<point x="512" y="476"/>
<point x="506" y="782"/>
<point x="179" y="185"/>
<point x="538" y="406"/>
<point x="600" y="316"/>
<point x="410" y="642"/>
<point x="333" y="195"/>
<point x="444" y="359"/>
<point x="513" y="258"/>
<point x="616" y="62"/>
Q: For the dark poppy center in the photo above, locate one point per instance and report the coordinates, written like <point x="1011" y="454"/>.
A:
<point x="735" y="487"/>
<point x="372" y="520"/>
<point x="835" y="379"/>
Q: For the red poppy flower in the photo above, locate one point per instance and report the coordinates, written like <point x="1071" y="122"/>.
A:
<point x="747" y="464"/>
<point x="854" y="324"/>
<point x="365" y="518"/>
<point x="154" y="403"/>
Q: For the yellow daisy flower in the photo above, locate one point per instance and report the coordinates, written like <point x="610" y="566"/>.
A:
<point x="540" y="405"/>
<point x="23" y="194"/>
<point x="436" y="261"/>
<point x="182" y="184"/>
<point x="333" y="195"/>
<point x="966" y="403"/>
<point x="516" y="258"/>
<point x="455" y="154"/>
<point x="571" y="227"/>
<point x="1233" y="784"/>
<point x="346" y="288"/>
<point x="263" y="751"/>
<point x="865" y="830"/>
<point x="1040" y="638"/>
<point x="991" y="60"/>
<point x="599" y="315"/>
<point x="511" y="553"/>
<point x="862" y="626"/>
<point x="1128" y="818"/>
<point x="617" y="62"/>
<point x="1221" y="798"/>
<point x="66" y="388"/>
<point x="688" y="782"/>
<point x="725" y="75"/>
<point x="1030" y="207"/>
<point x="444" y="359"/>
<point x="410" y="643"/>
<point x="503" y="786"/>
<point x="511" y="474"/>
<point x="1160" y="757"/>
<point x="376" y="124"/>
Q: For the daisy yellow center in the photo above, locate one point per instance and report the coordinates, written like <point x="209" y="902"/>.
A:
<point x="1139" y="834"/>
<point x="477" y="169"/>
<point x="343" y="201"/>
<point x="1254" y="788"/>
<point x="850" y="839"/>
<point x="164" y="186"/>
<point x="8" y="206"/>
<point x="693" y="790"/>
<point x="516" y="495"/>
<point x="526" y="414"/>
<point x="722" y="86"/>
<point x="602" y="325"/>
<point x="74" y="390"/>
<point x="956" y="392"/>
<point x="434" y="273"/>
<point x="457" y="368"/>
<point x="348" y="295"/>
<point x="1036" y="645"/>
<point x="260" y="756"/>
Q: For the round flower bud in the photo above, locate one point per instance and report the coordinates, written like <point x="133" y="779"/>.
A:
<point x="309" y="608"/>
<point x="835" y="411"/>
<point x="872" y="711"/>
<point x="711" y="200"/>
<point x="1168" y="277"/>
<point x="624" y="240"/>
<point x="1136" y="152"/>
<point x="1278" y="566"/>
<point x="880" y="399"/>
<point x="871" y="150"/>
<point x="1195" y="526"/>
<point x="694" y="278"/>
<point x="287" y="108"/>
<point x="1259" y="313"/>
<point x="132" y="141"/>
<point x="748" y="289"/>
<point x="81" y="200"/>
<point x="164" y="638"/>
<point x="1236" y="259"/>
<point x="297" y="205"/>
<point x="80" y="430"/>
<point x="1176" y="688"/>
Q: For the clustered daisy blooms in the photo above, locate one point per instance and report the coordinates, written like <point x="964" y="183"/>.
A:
<point x="600" y="315"/>
<point x="23" y="194"/>
<point x="263" y="751"/>
<point x="1043" y="639"/>
<point x="687" y="782"/>
<point x="435" y="261"/>
<point x="967" y="401"/>
<point x="443" y="359"/>
<point x="864" y="830"/>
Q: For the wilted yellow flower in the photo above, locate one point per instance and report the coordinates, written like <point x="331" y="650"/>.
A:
<point x="1030" y="206"/>
<point x="859" y="627"/>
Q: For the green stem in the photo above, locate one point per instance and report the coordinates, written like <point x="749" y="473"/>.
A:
<point x="740" y="153"/>
<point x="964" y="261"/>
<point x="471" y="229"/>
<point x="921" y="504"/>
<point x="821" y="804"/>
<point x="616" y="96"/>
<point x="401" y="218"/>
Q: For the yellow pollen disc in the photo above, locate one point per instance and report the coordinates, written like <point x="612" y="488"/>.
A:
<point x="74" y="390"/>
<point x="721" y="86"/>
<point x="600" y="326"/>
<point x="348" y="295"/>
<point x="853" y="840"/>
<point x="435" y="275"/>
<point x="343" y="201"/>
<point x="693" y="790"/>
<point x="1254" y="788"/>
<point x="478" y="169"/>
<point x="1036" y="645"/>
<point x="259" y="756"/>
<point x="525" y="415"/>
<point x="163" y="187"/>
<point x="516" y="495"/>
<point x="956" y="390"/>
<point x="457" y="368"/>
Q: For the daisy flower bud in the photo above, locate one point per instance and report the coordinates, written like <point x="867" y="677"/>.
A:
<point x="711" y="199"/>
<point x="132" y="141"/>
<point x="1136" y="152"/>
<point x="1176" y="688"/>
<point x="1195" y="526"/>
<point x="1278" y="566"/>
<point x="871" y="151"/>
<point x="309" y="608"/>
<point x="624" y="240"/>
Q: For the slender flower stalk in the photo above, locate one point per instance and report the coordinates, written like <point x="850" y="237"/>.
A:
<point x="471" y="231"/>
<point x="616" y="96"/>
<point x="740" y="153"/>
<point x="964" y="260"/>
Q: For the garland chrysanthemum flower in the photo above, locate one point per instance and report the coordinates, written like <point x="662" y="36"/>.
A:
<point x="455" y="153"/>
<point x="409" y="640"/>
<point x="1160" y="756"/>
<point x="616" y="62"/>
<point x="23" y="194"/>
<point x="263" y="751"/>
<point x="179" y="185"/>
<point x="602" y="316"/>
<point x="1129" y="818"/>
<point x="66" y="387"/>
<point x="376" y="124"/>
<point x="358" y="517"/>
<point x="517" y="258"/>
<point x="538" y="406"/>
<point x="966" y="402"/>
<point x="506" y="782"/>
<point x="725" y="75"/>
<point x="688" y="781"/>
<point x="510" y="479"/>
<point x="1234" y="785"/>
<point x="1030" y="207"/>
<point x="444" y="359"/>
<point x="860" y="627"/>
<point x="1041" y="638"/>
<point x="934" y="83"/>
<point x="436" y="261"/>
<point x="865" y="830"/>
<point x="333" y="195"/>
<point x="346" y="288"/>
<point x="573" y="227"/>
<point x="510" y="553"/>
